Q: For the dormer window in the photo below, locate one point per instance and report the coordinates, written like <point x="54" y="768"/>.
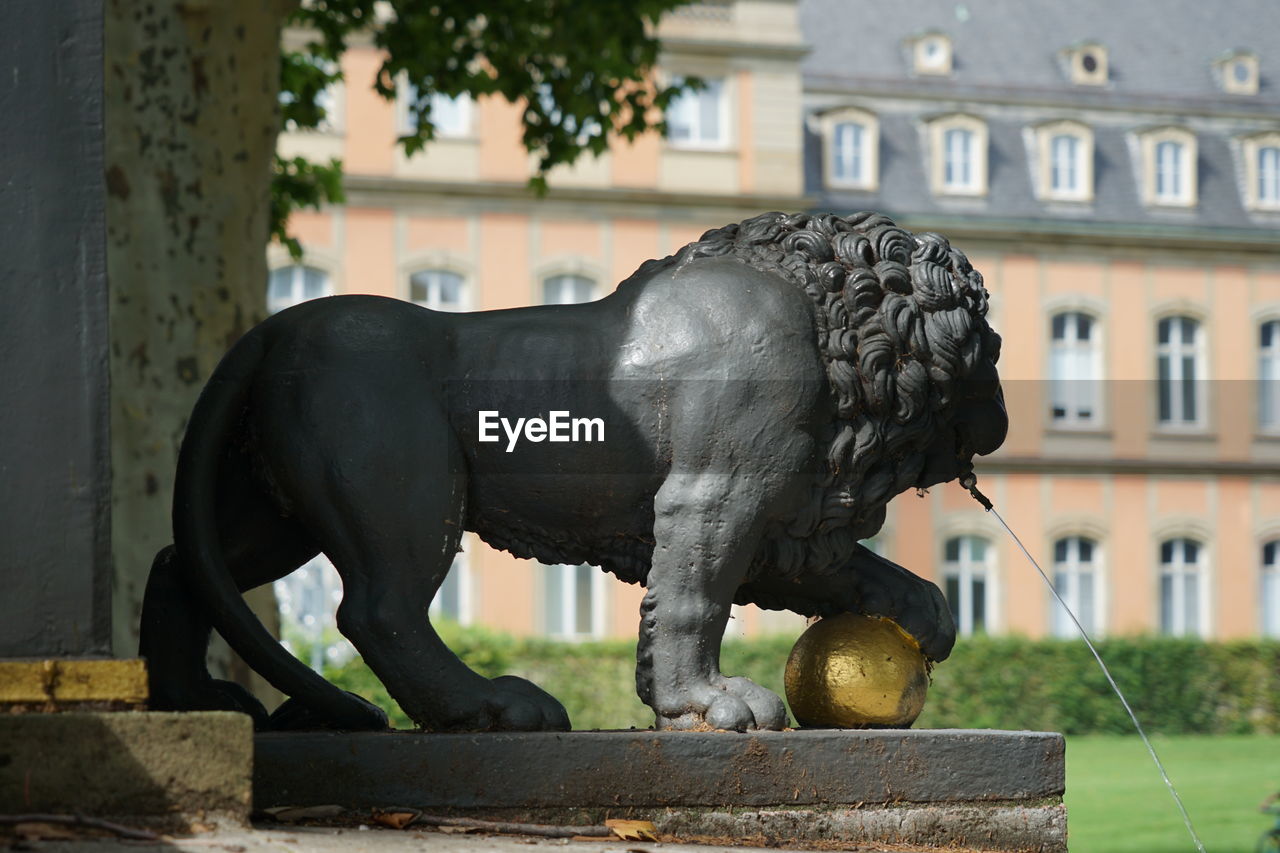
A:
<point x="1262" y="171"/>
<point x="931" y="53"/>
<point x="958" y="151"/>
<point x="1087" y="64"/>
<point x="1065" y="156"/>
<point x="851" y="142"/>
<point x="1237" y="72"/>
<point x="1169" y="167"/>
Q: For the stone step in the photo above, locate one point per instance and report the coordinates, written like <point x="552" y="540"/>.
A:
<point x="934" y="788"/>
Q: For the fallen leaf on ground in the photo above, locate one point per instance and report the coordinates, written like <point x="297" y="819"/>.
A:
<point x="633" y="830"/>
<point x="395" y="820"/>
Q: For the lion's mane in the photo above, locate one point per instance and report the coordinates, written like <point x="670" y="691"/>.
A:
<point x="900" y="320"/>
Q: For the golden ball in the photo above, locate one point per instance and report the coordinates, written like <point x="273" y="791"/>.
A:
<point x="855" y="671"/>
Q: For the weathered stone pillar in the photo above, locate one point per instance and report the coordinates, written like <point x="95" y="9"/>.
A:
<point x="55" y="495"/>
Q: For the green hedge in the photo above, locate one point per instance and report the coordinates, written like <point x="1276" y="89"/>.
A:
<point x="1176" y="686"/>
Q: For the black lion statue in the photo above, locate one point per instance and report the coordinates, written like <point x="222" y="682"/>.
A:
<point x="759" y="396"/>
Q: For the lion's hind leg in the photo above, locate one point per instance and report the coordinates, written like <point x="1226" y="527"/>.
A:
<point x="174" y="641"/>
<point x="389" y="510"/>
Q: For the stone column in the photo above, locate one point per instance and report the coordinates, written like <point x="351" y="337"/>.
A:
<point x="55" y="555"/>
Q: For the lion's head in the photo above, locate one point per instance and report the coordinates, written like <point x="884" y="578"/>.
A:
<point x="901" y="327"/>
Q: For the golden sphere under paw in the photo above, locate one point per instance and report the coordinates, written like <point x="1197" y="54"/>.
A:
<point x="855" y="671"/>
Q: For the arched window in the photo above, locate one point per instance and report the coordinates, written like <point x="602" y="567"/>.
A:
<point x="1169" y="166"/>
<point x="1075" y="369"/>
<point x="567" y="289"/>
<point x="287" y="286"/>
<point x="850" y="145"/>
<point x="1269" y="376"/>
<point x="965" y="569"/>
<point x="1269" y="589"/>
<point x="439" y="290"/>
<point x="958" y="155"/>
<point x="1180" y="586"/>
<point x="1075" y="578"/>
<point x="574" y="599"/>
<point x="1179" y="369"/>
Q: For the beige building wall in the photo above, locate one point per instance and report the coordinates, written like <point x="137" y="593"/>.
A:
<point x="462" y="206"/>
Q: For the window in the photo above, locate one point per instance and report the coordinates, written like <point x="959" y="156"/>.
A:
<point x="1237" y="72"/>
<point x="1179" y="366"/>
<point x="1169" y="174"/>
<point x="1180" y="593"/>
<point x="965" y="582"/>
<point x="1169" y="177"/>
<point x="1261" y="159"/>
<point x="453" y="599"/>
<point x="1269" y="376"/>
<point x="851" y="139"/>
<point x="287" y="286"/>
<point x="1087" y="64"/>
<point x="1269" y="176"/>
<point x="1065" y="160"/>
<point x="697" y="119"/>
<point x="849" y="153"/>
<point x="567" y="289"/>
<point x="451" y="116"/>
<point x="439" y="290"/>
<point x="1065" y="166"/>
<point x="574" y="599"/>
<point x="931" y="53"/>
<point x="1075" y="579"/>
<point x="1270" y="589"/>
<point x="1074" y="369"/>
<point x="959" y="163"/>
<point x="959" y="155"/>
<point x="327" y="98"/>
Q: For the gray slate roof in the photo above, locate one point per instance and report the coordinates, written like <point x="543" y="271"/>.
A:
<point x="1155" y="47"/>
<point x="1006" y="51"/>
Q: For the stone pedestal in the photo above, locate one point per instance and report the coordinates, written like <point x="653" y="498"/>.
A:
<point x="168" y="769"/>
<point x="988" y="790"/>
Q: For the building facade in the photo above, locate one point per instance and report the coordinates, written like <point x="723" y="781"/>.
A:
<point x="1121" y="195"/>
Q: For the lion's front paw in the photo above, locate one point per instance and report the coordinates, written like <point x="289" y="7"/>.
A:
<point x="917" y="605"/>
<point x="506" y="703"/>
<point x="733" y="704"/>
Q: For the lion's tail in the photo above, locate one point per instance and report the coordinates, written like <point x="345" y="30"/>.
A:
<point x="195" y="535"/>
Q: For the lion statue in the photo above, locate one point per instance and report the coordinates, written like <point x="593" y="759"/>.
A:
<point x="763" y="393"/>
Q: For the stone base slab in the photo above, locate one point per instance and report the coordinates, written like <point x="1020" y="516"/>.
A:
<point x="168" y="768"/>
<point x="981" y="789"/>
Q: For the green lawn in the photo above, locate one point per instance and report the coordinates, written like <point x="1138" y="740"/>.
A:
<point x="1117" y="803"/>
